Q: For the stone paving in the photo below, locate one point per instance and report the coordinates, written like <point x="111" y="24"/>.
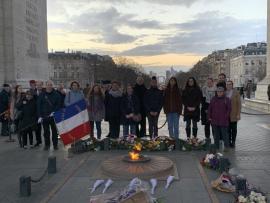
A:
<point x="75" y="174"/>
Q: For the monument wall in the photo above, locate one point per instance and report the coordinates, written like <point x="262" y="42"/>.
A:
<point x="24" y="36"/>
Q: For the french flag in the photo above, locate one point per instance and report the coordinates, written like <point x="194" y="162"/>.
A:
<point x="72" y="122"/>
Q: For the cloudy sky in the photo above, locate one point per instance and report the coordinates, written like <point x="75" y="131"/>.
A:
<point x="155" y="32"/>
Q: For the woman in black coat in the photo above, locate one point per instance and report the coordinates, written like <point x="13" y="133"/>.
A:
<point x="113" y="100"/>
<point x="29" y="117"/>
<point x="130" y="109"/>
<point x="192" y="97"/>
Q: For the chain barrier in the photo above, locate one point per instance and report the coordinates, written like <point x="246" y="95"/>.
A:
<point x="163" y="124"/>
<point x="41" y="177"/>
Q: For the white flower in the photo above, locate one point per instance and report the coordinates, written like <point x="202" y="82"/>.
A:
<point x="242" y="199"/>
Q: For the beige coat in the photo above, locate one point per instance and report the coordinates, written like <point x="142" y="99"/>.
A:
<point x="236" y="106"/>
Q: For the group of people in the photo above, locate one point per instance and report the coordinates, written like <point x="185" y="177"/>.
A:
<point x="216" y="105"/>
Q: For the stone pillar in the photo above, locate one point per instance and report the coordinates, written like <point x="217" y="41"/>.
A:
<point x="261" y="92"/>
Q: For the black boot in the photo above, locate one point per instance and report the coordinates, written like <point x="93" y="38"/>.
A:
<point x="194" y="132"/>
<point x="188" y="132"/>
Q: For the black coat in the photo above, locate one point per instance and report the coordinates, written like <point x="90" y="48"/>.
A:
<point x="112" y="107"/>
<point x="129" y="106"/>
<point x="153" y="100"/>
<point x="62" y="96"/>
<point x="28" y="110"/>
<point x="48" y="103"/>
<point x="204" y="110"/>
<point x="4" y="102"/>
<point x="192" y="97"/>
<point x="139" y="91"/>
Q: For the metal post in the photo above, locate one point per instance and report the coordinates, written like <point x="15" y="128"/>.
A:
<point x="106" y="144"/>
<point x="177" y="144"/>
<point x="207" y="143"/>
<point x="212" y="149"/>
<point x="224" y="164"/>
<point x="241" y="186"/>
<point x="51" y="165"/>
<point x="25" y="186"/>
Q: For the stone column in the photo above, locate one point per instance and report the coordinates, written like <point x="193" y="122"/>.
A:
<point x="261" y="92"/>
<point x="268" y="41"/>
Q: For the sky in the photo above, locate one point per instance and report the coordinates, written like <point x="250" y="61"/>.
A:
<point x="155" y="33"/>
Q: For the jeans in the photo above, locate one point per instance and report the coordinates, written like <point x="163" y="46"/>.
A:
<point x="194" y="127"/>
<point x="173" y="124"/>
<point x="5" y="128"/>
<point x="48" y="123"/>
<point x="38" y="133"/>
<point x="220" y="133"/>
<point x="153" y="125"/>
<point x="98" y="127"/>
<point x="25" y="133"/>
<point x="207" y="131"/>
<point x="129" y="129"/>
<point x="140" y="132"/>
<point x="114" y="128"/>
<point x="232" y="132"/>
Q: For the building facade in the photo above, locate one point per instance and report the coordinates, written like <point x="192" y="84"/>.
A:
<point x="23" y="41"/>
<point x="250" y="65"/>
<point x="82" y="67"/>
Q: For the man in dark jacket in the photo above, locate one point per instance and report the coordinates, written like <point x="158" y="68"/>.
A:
<point x="48" y="103"/>
<point x="29" y="117"/>
<point x="139" y="91"/>
<point x="36" y="94"/>
<point x="153" y="102"/>
<point x="113" y="100"/>
<point x="4" y="109"/>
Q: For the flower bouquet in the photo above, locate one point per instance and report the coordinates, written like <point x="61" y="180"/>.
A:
<point x="211" y="161"/>
<point x="254" y="196"/>
<point x="224" y="183"/>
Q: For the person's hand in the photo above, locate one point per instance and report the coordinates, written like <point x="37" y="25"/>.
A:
<point x="127" y="116"/>
<point x="191" y="108"/>
<point x="131" y="115"/>
<point x="152" y="113"/>
<point x="40" y="120"/>
<point x="51" y="115"/>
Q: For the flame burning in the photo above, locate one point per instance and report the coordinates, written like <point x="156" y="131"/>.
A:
<point x="135" y="154"/>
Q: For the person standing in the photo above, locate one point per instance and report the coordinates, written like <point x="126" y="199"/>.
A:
<point x="86" y="90"/>
<point x="139" y="91"/>
<point x="113" y="109"/>
<point x="4" y="109"/>
<point x="96" y="109"/>
<point x="268" y="92"/>
<point x="208" y="92"/>
<point x="192" y="97"/>
<point x="153" y="102"/>
<point x="61" y="91"/>
<point x="74" y="95"/>
<point x="48" y="103"/>
<point x="15" y="113"/>
<point x="130" y="109"/>
<point x="39" y="91"/>
<point x="29" y="116"/>
<point x="219" y="113"/>
<point x="173" y="107"/>
<point x="235" y="99"/>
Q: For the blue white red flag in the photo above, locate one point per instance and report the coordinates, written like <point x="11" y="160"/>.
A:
<point x="72" y="122"/>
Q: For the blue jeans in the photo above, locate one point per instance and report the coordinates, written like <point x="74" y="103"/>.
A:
<point x="98" y="127"/>
<point x="173" y="124"/>
<point x="194" y="127"/>
<point x="220" y="133"/>
<point x="129" y="129"/>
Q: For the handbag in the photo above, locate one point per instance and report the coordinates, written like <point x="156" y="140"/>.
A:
<point x="137" y="117"/>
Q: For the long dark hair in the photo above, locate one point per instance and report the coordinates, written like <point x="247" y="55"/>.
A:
<point x="195" y="85"/>
<point x="176" y="83"/>
<point x="92" y="92"/>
